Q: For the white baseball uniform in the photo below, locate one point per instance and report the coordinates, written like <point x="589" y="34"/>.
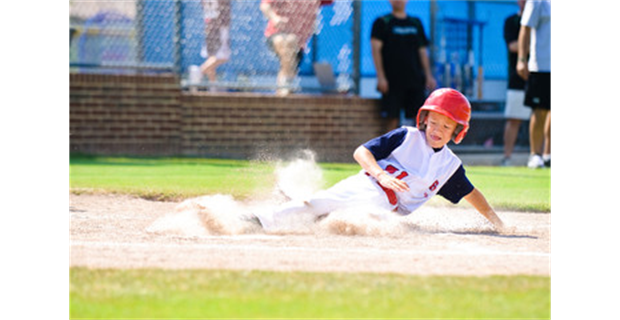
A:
<point x="402" y="153"/>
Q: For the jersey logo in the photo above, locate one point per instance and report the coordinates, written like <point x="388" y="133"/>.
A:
<point x="391" y="195"/>
<point x="434" y="185"/>
<point x="391" y="169"/>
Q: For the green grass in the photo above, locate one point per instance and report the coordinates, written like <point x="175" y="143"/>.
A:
<point x="516" y="188"/>
<point x="166" y="178"/>
<point x="203" y="294"/>
<point x="178" y="178"/>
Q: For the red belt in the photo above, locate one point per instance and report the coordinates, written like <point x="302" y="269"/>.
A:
<point x="391" y="195"/>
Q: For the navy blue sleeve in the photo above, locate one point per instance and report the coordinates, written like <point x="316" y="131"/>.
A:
<point x="457" y="187"/>
<point x="381" y="147"/>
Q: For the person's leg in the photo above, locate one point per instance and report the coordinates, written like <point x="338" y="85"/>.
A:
<point x="412" y="101"/>
<point x="391" y="104"/>
<point x="355" y="191"/>
<point x="515" y="113"/>
<point x="286" y="47"/>
<point x="537" y="130"/>
<point x="547" y="131"/>
<point x="210" y="65"/>
<point x="282" y="217"/>
<point x="534" y="98"/>
<point x="511" y="131"/>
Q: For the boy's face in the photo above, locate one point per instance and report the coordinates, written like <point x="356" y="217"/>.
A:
<point x="439" y="129"/>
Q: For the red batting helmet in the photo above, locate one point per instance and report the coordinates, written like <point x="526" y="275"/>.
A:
<point x="451" y="104"/>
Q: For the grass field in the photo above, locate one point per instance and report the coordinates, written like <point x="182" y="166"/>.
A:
<point x="515" y="188"/>
<point x="256" y="294"/>
<point x="154" y="293"/>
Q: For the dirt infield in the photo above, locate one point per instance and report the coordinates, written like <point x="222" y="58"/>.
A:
<point x="112" y="231"/>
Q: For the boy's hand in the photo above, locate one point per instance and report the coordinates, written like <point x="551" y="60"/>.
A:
<point x="392" y="183"/>
<point x="477" y="200"/>
<point x="499" y="226"/>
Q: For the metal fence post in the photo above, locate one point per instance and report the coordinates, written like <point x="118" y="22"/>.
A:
<point x="178" y="35"/>
<point x="357" y="29"/>
<point x="433" y="34"/>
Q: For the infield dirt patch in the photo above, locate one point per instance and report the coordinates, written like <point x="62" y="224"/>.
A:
<point x="115" y="231"/>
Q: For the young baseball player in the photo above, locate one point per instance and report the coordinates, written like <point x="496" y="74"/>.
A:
<point x="402" y="169"/>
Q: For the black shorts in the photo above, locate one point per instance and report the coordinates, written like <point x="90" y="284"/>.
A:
<point x="408" y="99"/>
<point x="538" y="91"/>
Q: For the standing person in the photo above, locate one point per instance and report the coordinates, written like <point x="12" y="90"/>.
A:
<point x="217" y="29"/>
<point x="535" y="40"/>
<point x="399" y="51"/>
<point x="515" y="111"/>
<point x="289" y="27"/>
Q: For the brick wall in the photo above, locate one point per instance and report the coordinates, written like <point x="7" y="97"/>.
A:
<point x="124" y="115"/>
<point x="151" y="115"/>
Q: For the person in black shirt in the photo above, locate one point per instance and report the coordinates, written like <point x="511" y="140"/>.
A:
<point x="399" y="50"/>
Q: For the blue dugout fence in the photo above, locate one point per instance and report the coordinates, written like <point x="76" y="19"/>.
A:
<point x="169" y="35"/>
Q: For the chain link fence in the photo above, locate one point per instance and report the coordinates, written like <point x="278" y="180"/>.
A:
<point x="151" y="36"/>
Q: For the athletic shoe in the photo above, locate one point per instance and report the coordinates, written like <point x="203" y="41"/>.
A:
<point x="547" y="160"/>
<point x="535" y="162"/>
<point x="252" y="220"/>
<point x="506" y="162"/>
